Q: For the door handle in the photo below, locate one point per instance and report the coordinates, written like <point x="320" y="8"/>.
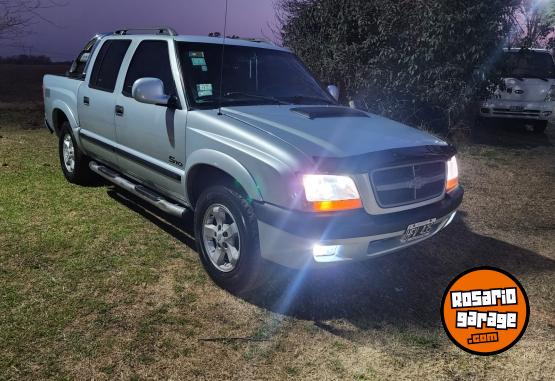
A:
<point x="86" y="101"/>
<point x="119" y="110"/>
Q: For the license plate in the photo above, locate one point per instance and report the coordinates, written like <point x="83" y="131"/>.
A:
<point x="418" y="230"/>
<point x="516" y="108"/>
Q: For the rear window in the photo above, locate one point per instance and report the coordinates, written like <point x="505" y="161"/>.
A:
<point x="77" y="69"/>
<point x="107" y="65"/>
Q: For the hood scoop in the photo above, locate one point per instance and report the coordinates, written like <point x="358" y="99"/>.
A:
<point x="316" y="112"/>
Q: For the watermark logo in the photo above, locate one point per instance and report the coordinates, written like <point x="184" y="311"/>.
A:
<point x="485" y="311"/>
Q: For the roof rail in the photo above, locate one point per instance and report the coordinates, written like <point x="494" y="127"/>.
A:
<point x="160" y="30"/>
<point x="254" y="39"/>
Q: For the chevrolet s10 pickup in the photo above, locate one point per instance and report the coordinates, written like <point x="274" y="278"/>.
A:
<point x="240" y="133"/>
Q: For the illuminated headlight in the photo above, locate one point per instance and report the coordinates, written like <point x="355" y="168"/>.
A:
<point x="324" y="251"/>
<point x="452" y="174"/>
<point x="550" y="95"/>
<point x="327" y="193"/>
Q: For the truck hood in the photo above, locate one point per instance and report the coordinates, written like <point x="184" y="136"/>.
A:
<point x="330" y="135"/>
<point x="525" y="89"/>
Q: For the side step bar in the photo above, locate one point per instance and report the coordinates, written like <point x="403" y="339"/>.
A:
<point x="138" y="190"/>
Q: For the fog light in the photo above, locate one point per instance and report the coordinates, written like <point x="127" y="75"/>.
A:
<point x="546" y="113"/>
<point x="324" y="251"/>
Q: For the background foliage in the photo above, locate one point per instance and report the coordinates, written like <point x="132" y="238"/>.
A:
<point x="534" y="24"/>
<point x="412" y="60"/>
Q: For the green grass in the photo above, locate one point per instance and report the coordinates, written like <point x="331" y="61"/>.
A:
<point x="63" y="250"/>
<point x="90" y="288"/>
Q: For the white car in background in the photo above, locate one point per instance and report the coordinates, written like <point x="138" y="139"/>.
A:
<point x="529" y="93"/>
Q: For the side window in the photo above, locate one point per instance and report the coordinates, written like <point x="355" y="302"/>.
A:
<point x="151" y="59"/>
<point x="107" y="64"/>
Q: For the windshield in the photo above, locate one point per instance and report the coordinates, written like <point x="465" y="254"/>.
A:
<point x="250" y="76"/>
<point x="527" y="64"/>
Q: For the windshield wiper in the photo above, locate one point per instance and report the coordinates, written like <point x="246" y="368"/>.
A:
<point x="299" y="99"/>
<point x="255" y="96"/>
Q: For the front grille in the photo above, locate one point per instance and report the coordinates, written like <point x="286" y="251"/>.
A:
<point x="408" y="184"/>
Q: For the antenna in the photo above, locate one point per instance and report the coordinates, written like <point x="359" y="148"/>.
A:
<point x="222" y="63"/>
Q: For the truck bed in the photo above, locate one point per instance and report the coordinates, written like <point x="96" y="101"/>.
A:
<point x="61" y="91"/>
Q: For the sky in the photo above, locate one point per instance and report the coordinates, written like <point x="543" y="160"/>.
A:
<point x="69" y="27"/>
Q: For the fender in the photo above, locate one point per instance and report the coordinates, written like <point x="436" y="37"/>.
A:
<point x="227" y="164"/>
<point x="58" y="104"/>
<point x="71" y="117"/>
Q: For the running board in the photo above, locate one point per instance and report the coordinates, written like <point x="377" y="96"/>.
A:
<point x="140" y="191"/>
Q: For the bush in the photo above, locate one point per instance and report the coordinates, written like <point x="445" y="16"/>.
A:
<point x="411" y="60"/>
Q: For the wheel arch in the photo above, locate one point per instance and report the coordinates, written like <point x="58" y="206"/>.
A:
<point x="207" y="167"/>
<point x="61" y="113"/>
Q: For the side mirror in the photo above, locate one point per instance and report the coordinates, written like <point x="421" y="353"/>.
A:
<point x="334" y="92"/>
<point x="150" y="91"/>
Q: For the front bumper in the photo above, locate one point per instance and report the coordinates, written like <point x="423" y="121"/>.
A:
<point x="288" y="237"/>
<point x="506" y="109"/>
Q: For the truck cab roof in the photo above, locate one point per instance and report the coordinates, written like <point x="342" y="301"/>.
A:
<point x="164" y="33"/>
<point x="81" y="63"/>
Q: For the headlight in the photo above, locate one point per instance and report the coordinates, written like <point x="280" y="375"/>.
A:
<point x="328" y="193"/>
<point x="550" y="97"/>
<point x="452" y="174"/>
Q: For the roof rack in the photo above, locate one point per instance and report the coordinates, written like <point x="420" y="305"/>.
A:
<point x="161" y="30"/>
<point x="253" y="39"/>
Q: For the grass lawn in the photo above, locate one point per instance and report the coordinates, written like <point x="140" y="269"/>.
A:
<point x="95" y="284"/>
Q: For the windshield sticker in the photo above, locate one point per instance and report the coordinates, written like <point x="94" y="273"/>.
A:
<point x="197" y="59"/>
<point x="204" y="89"/>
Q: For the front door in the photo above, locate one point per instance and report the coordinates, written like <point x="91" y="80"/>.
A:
<point x="151" y="138"/>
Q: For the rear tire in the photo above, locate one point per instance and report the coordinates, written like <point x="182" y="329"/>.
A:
<point x="230" y="255"/>
<point x="75" y="164"/>
<point x="539" y="126"/>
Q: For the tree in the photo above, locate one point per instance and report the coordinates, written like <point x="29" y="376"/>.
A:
<point x="17" y="15"/>
<point x="412" y="60"/>
<point x="534" y="24"/>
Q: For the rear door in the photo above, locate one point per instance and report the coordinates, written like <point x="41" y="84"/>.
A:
<point x="96" y="101"/>
<point x="152" y="138"/>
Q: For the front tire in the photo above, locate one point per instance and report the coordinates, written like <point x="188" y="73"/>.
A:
<point x="75" y="164"/>
<point x="226" y="231"/>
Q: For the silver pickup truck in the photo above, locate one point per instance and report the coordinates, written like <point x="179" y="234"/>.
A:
<point x="239" y="132"/>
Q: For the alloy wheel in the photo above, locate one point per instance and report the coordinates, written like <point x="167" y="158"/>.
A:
<point x="220" y="237"/>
